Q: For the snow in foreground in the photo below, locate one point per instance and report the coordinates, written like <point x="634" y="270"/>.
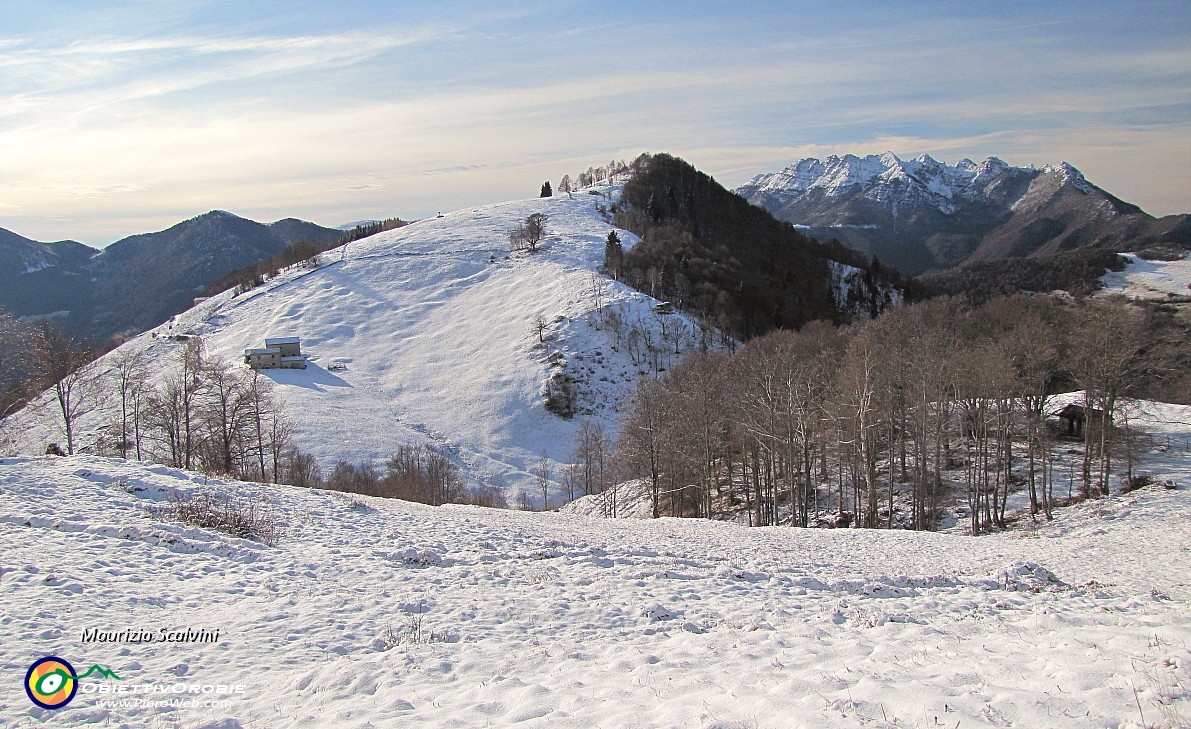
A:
<point x="493" y="618"/>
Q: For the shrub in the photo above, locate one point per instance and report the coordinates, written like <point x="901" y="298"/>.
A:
<point x="414" y="632"/>
<point x="239" y="518"/>
<point x="1139" y="481"/>
<point x="561" y="394"/>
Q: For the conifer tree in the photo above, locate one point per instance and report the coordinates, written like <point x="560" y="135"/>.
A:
<point x="613" y="255"/>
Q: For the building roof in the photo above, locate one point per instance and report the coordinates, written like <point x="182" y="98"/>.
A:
<point x="282" y="340"/>
<point x="294" y="358"/>
<point x="271" y="350"/>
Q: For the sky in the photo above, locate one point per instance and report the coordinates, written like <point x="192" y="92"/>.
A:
<point x="119" y="117"/>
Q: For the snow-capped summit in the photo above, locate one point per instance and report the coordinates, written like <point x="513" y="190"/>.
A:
<point x="923" y="177"/>
<point x="923" y="214"/>
<point x="1070" y="176"/>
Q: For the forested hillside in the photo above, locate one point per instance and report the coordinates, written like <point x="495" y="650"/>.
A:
<point x="707" y="250"/>
<point x="1076" y="272"/>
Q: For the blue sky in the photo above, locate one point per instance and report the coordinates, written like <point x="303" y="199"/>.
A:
<point x="122" y="117"/>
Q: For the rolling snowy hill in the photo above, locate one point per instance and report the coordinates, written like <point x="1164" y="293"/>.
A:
<point x="424" y="334"/>
<point x="373" y="612"/>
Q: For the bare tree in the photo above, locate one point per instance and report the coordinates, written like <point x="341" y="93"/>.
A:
<point x="642" y="447"/>
<point x="592" y="453"/>
<point x="280" y="437"/>
<point x="699" y="401"/>
<point x="300" y="469"/>
<point x="64" y="365"/>
<point x="528" y="234"/>
<point x="269" y="431"/>
<point x="785" y="380"/>
<point x="573" y="479"/>
<point x="131" y="377"/>
<point x="421" y="473"/>
<point x="227" y="416"/>
<point x="539" y="327"/>
<point x="1030" y="333"/>
<point x="172" y="410"/>
<point x="535" y="230"/>
<point x="517" y="239"/>
<point x="542" y="474"/>
<point x="860" y="399"/>
<point x="1107" y="340"/>
<point x="923" y="390"/>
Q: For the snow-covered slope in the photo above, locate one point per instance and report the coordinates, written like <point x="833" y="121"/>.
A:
<point x="375" y="613"/>
<point x="424" y="334"/>
<point x="1145" y="279"/>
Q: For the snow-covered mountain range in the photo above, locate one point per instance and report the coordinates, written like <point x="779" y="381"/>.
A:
<point x="425" y="334"/>
<point x="922" y="214"/>
<point x="924" y="178"/>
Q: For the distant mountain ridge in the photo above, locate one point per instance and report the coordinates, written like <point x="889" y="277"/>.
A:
<point x="139" y="281"/>
<point x="924" y="215"/>
<point x="43" y="278"/>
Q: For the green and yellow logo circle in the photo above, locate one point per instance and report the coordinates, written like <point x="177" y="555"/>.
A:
<point x="51" y="682"/>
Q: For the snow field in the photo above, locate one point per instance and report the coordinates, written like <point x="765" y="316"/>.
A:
<point x="1144" y="279"/>
<point x="384" y="613"/>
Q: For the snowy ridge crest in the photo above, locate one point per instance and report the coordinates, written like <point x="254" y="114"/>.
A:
<point x="836" y="173"/>
<point x="1070" y="176"/>
<point x="922" y="176"/>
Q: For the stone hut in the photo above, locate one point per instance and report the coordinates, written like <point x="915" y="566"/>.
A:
<point x="278" y="353"/>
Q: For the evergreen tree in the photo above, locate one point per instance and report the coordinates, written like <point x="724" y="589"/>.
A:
<point x="613" y="255"/>
<point x="546" y="191"/>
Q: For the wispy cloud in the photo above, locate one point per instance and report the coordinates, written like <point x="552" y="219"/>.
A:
<point x="338" y="116"/>
<point x="85" y="75"/>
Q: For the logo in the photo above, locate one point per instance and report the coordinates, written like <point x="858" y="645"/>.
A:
<point x="51" y="681"/>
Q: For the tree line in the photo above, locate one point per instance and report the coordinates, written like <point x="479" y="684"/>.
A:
<point x="420" y="473"/>
<point x="592" y="176"/>
<point x="875" y="423"/>
<point x="202" y="413"/>
<point x="1078" y="272"/>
